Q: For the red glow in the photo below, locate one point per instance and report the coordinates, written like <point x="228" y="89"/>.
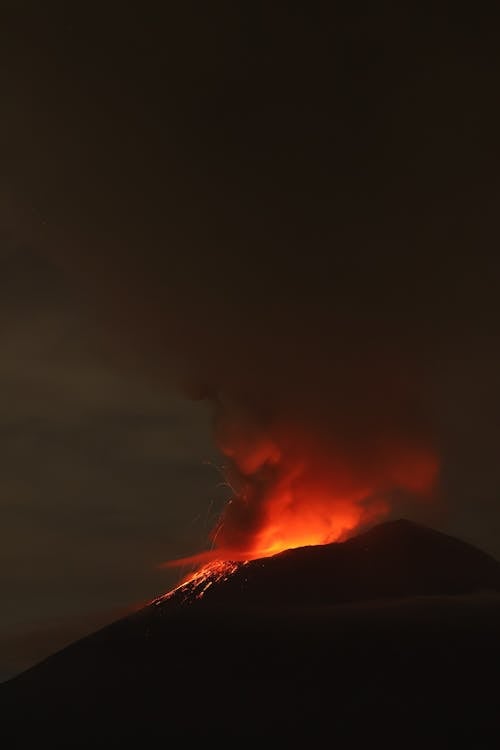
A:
<point x="197" y="584"/>
<point x="293" y="493"/>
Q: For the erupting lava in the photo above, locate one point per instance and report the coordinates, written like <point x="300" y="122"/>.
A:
<point x="291" y="493"/>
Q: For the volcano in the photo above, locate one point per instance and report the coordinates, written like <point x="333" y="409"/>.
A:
<point x="393" y="634"/>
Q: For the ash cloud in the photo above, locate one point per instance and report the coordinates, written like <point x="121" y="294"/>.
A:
<point x="291" y="211"/>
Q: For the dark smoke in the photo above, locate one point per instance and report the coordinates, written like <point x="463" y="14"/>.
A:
<point x="290" y="212"/>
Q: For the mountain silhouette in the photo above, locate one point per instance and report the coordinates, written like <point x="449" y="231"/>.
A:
<point x="392" y="635"/>
<point x="395" y="559"/>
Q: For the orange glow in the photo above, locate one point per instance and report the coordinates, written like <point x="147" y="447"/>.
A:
<point x="196" y="584"/>
<point x="294" y="493"/>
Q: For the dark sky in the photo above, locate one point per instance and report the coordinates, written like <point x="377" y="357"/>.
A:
<point x="289" y="211"/>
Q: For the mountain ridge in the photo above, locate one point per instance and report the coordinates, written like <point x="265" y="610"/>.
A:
<point x="401" y="629"/>
<point x="431" y="562"/>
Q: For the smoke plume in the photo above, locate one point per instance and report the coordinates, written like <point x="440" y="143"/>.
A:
<point x="281" y="209"/>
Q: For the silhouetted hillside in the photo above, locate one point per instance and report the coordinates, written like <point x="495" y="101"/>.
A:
<point x="394" y="559"/>
<point x="394" y="633"/>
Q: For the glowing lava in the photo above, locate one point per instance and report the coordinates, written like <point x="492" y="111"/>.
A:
<point x="197" y="583"/>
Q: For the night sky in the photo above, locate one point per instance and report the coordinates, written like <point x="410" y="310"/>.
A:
<point x="227" y="221"/>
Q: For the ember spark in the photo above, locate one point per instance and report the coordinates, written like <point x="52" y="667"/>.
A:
<point x="197" y="583"/>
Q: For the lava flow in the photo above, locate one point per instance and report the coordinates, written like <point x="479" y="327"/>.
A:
<point x="197" y="583"/>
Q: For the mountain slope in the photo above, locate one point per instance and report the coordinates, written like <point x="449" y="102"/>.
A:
<point x="394" y="559"/>
<point x="396" y="629"/>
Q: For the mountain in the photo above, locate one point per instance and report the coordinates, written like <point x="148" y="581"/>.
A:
<point x="392" y="635"/>
<point x="394" y="559"/>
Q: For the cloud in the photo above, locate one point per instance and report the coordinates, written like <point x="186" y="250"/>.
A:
<point x="292" y="215"/>
<point x="103" y="474"/>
